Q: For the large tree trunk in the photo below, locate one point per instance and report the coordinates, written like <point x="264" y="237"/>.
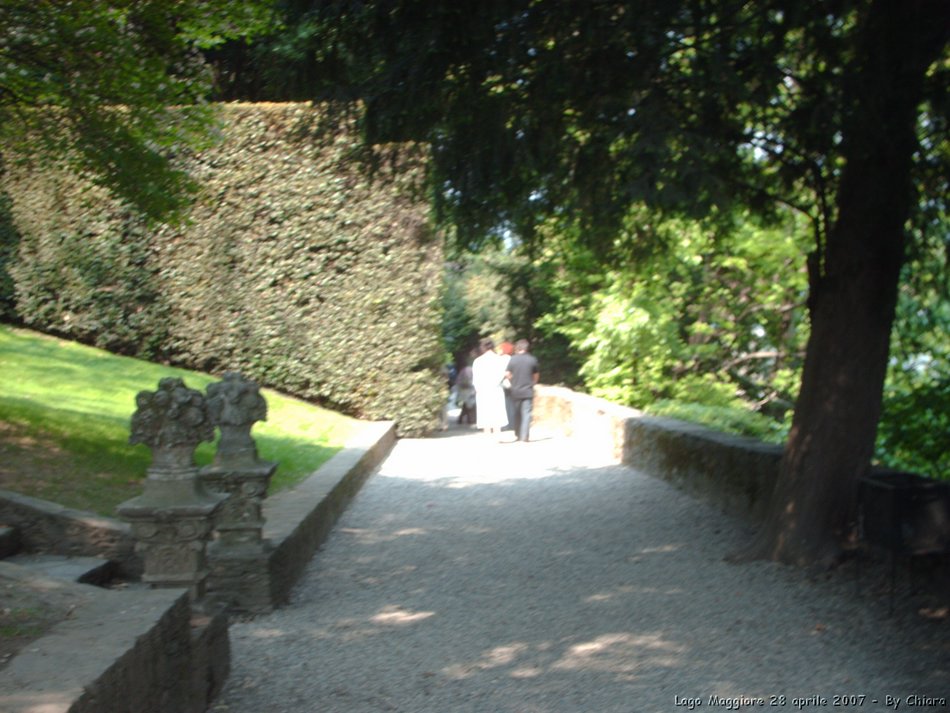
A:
<point x="854" y="280"/>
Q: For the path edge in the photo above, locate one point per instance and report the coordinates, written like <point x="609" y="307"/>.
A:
<point x="299" y="520"/>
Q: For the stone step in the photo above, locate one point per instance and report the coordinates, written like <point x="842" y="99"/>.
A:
<point x="87" y="570"/>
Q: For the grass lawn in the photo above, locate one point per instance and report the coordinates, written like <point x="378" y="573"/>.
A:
<point x="64" y="424"/>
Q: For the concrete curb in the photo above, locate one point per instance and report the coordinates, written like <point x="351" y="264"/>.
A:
<point x="299" y="520"/>
<point x="115" y="649"/>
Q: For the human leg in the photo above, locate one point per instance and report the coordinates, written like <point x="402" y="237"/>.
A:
<point x="516" y="417"/>
<point x="523" y="417"/>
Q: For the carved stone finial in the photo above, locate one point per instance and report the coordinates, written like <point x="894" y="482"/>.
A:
<point x="236" y="401"/>
<point x="172" y="519"/>
<point x="235" y="404"/>
<point x="172" y="421"/>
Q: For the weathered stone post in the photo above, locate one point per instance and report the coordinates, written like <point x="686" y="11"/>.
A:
<point x="172" y="519"/>
<point x="238" y="556"/>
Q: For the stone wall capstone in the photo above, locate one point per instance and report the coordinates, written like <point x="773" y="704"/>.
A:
<point x="734" y="472"/>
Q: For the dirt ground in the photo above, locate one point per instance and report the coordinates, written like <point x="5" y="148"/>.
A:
<point x="28" y="610"/>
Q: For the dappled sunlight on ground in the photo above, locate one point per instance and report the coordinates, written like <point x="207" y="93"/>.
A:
<point x="268" y="633"/>
<point x="505" y="655"/>
<point x="472" y="576"/>
<point x="396" y="616"/>
<point x="662" y="549"/>
<point x="619" y="653"/>
<point x="371" y="537"/>
<point x="630" y="591"/>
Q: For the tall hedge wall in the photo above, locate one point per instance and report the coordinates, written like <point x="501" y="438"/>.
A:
<point x="296" y="268"/>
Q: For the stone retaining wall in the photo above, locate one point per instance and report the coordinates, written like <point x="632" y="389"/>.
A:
<point x="143" y="650"/>
<point x="734" y="472"/>
<point x="177" y="659"/>
<point x="299" y="520"/>
<point x="50" y="528"/>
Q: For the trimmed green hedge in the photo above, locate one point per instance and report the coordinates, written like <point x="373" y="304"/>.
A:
<point x="296" y="267"/>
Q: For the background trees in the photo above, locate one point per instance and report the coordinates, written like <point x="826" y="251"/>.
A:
<point x="572" y="116"/>
<point x="92" y="85"/>
<point x="714" y="317"/>
<point x="577" y="111"/>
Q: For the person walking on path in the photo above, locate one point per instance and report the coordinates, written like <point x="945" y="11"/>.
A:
<point x="488" y="371"/>
<point x="523" y="373"/>
<point x="507" y="349"/>
<point x="466" y="391"/>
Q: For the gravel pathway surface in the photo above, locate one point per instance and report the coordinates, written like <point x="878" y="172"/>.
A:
<point x="470" y="575"/>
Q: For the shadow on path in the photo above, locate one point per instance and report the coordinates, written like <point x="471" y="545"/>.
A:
<point x="470" y="575"/>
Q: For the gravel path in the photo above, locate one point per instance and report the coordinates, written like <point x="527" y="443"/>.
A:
<point x="475" y="576"/>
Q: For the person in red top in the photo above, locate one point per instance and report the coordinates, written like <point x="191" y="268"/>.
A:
<point x="506" y="349"/>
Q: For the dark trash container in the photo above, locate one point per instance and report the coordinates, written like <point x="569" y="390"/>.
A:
<point x="905" y="513"/>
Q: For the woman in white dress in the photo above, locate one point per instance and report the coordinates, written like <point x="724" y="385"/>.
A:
<point x="488" y="372"/>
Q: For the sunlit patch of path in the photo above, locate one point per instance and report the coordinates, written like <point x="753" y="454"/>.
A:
<point x="471" y="575"/>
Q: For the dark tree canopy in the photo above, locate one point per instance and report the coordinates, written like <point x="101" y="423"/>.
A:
<point x="585" y="108"/>
<point x="572" y="110"/>
<point x="579" y="109"/>
<point x="112" y="89"/>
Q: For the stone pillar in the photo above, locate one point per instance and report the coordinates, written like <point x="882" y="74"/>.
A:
<point x="238" y="556"/>
<point x="172" y="519"/>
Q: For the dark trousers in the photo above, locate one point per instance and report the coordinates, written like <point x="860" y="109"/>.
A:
<point x="509" y="411"/>
<point x="522" y="422"/>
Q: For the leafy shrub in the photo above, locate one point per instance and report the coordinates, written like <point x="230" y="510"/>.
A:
<point x="728" y="419"/>
<point x="9" y="237"/>
<point x="295" y="266"/>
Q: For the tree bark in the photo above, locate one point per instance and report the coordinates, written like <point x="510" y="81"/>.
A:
<point x="854" y="280"/>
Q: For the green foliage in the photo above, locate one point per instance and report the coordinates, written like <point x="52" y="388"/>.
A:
<point x="915" y="425"/>
<point x="501" y="293"/>
<point x="736" y="419"/>
<point x="295" y="267"/>
<point x="78" y="401"/>
<point x="714" y="316"/>
<point x="542" y="111"/>
<point x="538" y="108"/>
<point x="82" y="280"/>
<point x="9" y="239"/>
<point x="90" y="86"/>
<point x="460" y="330"/>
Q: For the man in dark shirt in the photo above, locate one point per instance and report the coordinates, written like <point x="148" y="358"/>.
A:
<point x="523" y="373"/>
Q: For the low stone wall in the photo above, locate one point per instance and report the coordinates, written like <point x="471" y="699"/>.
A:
<point x="43" y="526"/>
<point x="141" y="650"/>
<point x="598" y="422"/>
<point x="299" y="520"/>
<point x="177" y="659"/>
<point x="734" y="472"/>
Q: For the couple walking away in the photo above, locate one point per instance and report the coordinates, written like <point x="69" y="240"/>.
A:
<point x="500" y="381"/>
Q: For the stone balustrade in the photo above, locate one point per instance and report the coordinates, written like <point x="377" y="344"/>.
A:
<point x="239" y="554"/>
<point x="172" y="519"/>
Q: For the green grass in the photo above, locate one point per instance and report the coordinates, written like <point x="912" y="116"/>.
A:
<point x="65" y="410"/>
<point x="20" y="622"/>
